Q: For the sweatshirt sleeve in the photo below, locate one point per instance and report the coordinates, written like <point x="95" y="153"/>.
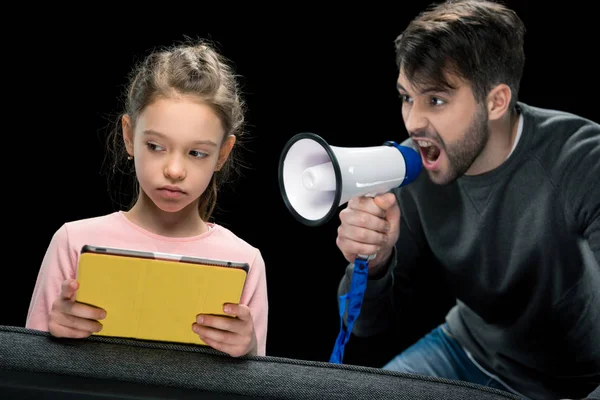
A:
<point x="386" y="293"/>
<point x="578" y="176"/>
<point x="57" y="265"/>
<point x="255" y="296"/>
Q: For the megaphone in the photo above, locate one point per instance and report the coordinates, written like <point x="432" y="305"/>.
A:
<point x="316" y="178"/>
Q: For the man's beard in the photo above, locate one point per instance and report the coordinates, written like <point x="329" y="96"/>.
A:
<point x="462" y="153"/>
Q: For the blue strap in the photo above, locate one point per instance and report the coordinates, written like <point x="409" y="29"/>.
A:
<point x="354" y="297"/>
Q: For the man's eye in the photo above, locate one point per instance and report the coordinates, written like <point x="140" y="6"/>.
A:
<point x="437" y="101"/>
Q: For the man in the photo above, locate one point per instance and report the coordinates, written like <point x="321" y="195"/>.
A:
<point x="508" y="203"/>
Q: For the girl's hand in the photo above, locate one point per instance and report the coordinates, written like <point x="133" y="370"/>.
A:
<point x="234" y="336"/>
<point x="71" y="319"/>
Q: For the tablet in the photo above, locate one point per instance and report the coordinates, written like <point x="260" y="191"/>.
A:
<point x="156" y="296"/>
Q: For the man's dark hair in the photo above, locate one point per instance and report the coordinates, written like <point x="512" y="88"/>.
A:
<point x="481" y="42"/>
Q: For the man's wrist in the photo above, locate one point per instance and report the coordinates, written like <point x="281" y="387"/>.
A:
<point x="380" y="269"/>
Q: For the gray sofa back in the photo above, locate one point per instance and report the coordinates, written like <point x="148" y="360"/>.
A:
<point x="33" y="364"/>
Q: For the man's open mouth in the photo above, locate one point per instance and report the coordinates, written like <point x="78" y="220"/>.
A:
<point x="429" y="151"/>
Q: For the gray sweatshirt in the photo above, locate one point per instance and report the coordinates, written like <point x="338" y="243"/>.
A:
<point x="520" y="246"/>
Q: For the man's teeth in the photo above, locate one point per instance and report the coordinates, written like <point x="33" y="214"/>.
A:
<point x="424" y="144"/>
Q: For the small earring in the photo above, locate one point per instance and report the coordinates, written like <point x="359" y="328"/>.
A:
<point x="130" y="158"/>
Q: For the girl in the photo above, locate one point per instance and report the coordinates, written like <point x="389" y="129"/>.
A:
<point x="182" y="116"/>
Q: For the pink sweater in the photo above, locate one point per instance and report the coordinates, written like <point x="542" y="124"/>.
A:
<point x="115" y="230"/>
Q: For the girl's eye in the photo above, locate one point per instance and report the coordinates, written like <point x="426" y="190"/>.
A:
<point x="198" y="154"/>
<point x="154" y="146"/>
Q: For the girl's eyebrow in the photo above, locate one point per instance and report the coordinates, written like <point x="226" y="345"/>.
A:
<point x="152" y="132"/>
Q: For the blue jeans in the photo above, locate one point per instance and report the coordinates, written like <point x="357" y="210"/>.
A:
<point x="439" y="354"/>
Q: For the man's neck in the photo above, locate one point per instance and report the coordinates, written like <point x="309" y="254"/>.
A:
<point x="500" y="144"/>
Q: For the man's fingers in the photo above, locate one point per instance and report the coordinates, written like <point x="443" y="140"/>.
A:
<point x="390" y="204"/>
<point x="373" y="234"/>
<point x="385" y="201"/>
<point x="367" y="205"/>
<point x="370" y="225"/>
<point x="352" y="248"/>
<point x="353" y="220"/>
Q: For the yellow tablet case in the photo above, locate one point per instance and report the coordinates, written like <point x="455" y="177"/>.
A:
<point x="156" y="296"/>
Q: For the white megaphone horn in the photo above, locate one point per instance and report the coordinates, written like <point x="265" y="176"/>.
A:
<point x="316" y="178"/>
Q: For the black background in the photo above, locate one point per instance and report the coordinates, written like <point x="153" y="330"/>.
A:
<point x="303" y="68"/>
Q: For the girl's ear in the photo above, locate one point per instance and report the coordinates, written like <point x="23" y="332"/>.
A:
<point x="225" y="151"/>
<point x="127" y="134"/>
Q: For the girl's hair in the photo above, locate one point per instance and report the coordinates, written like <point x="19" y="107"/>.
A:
<point x="190" y="69"/>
